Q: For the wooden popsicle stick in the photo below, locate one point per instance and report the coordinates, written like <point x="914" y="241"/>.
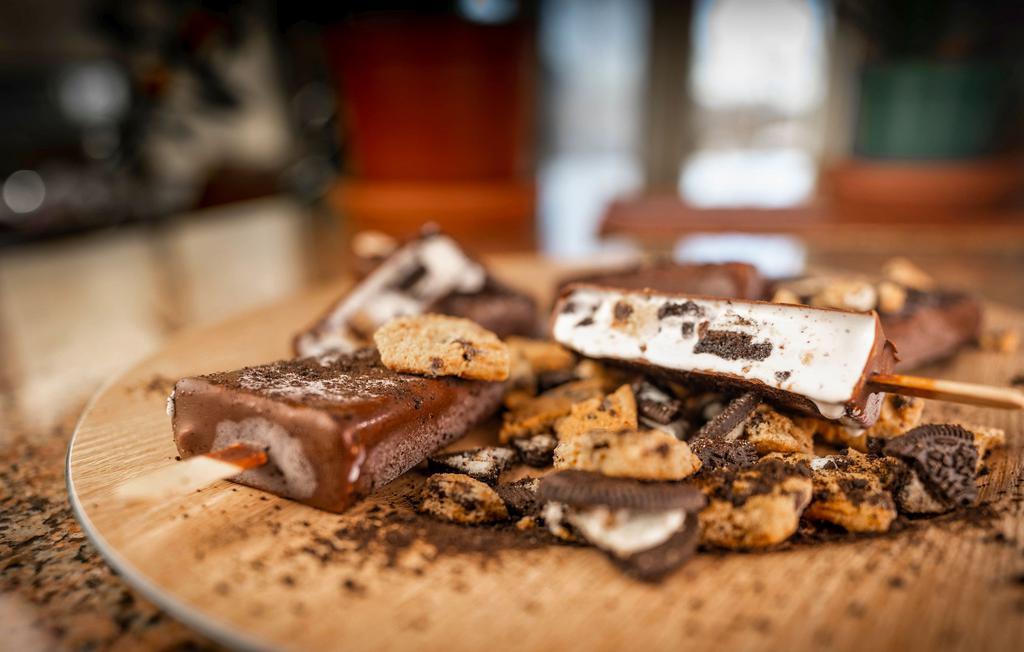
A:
<point x="194" y="473"/>
<point x="949" y="390"/>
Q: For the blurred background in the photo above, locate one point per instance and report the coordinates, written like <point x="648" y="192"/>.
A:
<point x="548" y="123"/>
<point x="168" y="163"/>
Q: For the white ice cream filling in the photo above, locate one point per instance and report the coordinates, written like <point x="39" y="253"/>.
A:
<point x="622" y="532"/>
<point x="815" y="353"/>
<point x="375" y="300"/>
<point x="296" y="477"/>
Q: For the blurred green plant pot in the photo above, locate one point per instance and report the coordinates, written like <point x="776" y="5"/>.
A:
<point x="928" y="111"/>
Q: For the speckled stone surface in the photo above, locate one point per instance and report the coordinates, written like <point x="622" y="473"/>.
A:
<point x="56" y="592"/>
<point x="73" y="313"/>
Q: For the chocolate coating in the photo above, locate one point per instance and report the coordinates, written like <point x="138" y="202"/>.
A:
<point x="933" y="326"/>
<point x="496" y="307"/>
<point x="335" y="428"/>
<point x="731" y="280"/>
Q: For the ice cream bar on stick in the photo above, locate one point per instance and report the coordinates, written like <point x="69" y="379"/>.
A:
<point x="330" y="430"/>
<point x="406" y="282"/>
<point x="430" y="273"/>
<point x="831" y="363"/>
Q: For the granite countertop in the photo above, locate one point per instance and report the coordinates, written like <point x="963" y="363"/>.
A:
<point x="56" y="592"/>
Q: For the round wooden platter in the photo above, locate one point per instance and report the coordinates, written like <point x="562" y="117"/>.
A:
<point x="252" y="570"/>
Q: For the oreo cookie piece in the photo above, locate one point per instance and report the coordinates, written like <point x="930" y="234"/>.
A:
<point x="520" y="496"/>
<point x="723" y="453"/>
<point x="646" y="529"/>
<point x="484" y="464"/>
<point x="588" y="489"/>
<point x="943" y="457"/>
<point x="732" y="416"/>
<point x="548" y="379"/>
<point x="655" y="404"/>
<point x="656" y="563"/>
<point x="537" y="451"/>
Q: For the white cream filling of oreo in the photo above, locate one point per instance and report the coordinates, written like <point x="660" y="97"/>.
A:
<point x="622" y="532"/>
<point x="297" y="479"/>
<point x="375" y="300"/>
<point x="816" y="353"/>
<point x="914" y="498"/>
<point x="482" y="463"/>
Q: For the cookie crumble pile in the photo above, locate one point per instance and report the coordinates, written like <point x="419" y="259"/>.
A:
<point x="649" y="471"/>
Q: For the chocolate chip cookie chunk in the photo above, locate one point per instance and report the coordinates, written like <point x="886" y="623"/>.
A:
<point x="461" y="499"/>
<point x="756" y="507"/>
<point x="438" y="345"/>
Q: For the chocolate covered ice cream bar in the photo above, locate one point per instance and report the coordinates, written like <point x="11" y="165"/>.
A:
<point x="334" y="428"/>
<point x="430" y="273"/>
<point x="932" y="326"/>
<point x="730" y="280"/>
<point x="813" y="359"/>
<point x="924" y="325"/>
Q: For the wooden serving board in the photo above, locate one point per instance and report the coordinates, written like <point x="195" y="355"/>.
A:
<point x="256" y="571"/>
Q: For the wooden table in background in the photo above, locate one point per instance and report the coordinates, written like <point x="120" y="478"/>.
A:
<point x="75" y="312"/>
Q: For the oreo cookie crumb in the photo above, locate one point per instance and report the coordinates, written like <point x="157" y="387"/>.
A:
<point x="732" y="345"/>
<point x="673" y="309"/>
<point x="622" y="311"/>
<point x="656" y="404"/>
<point x="387" y="535"/>
<point x="732" y="415"/>
<point x="722" y="454"/>
<point x="520" y="497"/>
<point x="537" y="451"/>
<point x="782" y="376"/>
<point x="585" y="488"/>
<point x="586" y="321"/>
